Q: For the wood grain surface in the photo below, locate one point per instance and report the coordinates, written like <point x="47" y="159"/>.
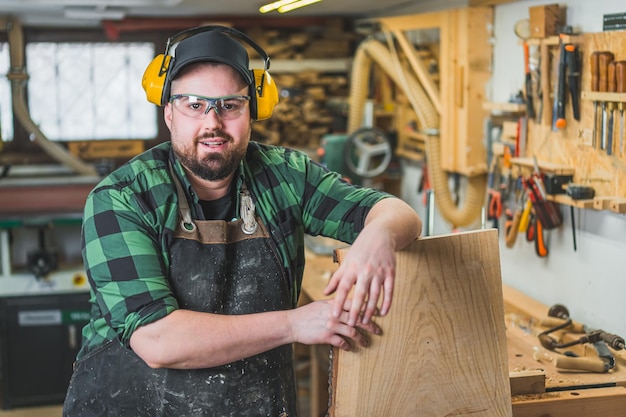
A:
<point x="443" y="351"/>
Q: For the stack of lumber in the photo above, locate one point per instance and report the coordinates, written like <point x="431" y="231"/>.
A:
<point x="302" y="116"/>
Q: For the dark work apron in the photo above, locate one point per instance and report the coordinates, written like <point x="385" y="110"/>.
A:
<point x="218" y="267"/>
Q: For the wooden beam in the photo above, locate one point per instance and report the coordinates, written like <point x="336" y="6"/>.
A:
<point x="580" y="403"/>
<point x="413" y="22"/>
<point x="420" y="70"/>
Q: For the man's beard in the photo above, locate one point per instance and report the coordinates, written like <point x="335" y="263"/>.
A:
<point x="213" y="167"/>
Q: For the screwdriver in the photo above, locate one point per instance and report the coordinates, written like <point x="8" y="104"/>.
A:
<point x="620" y="80"/>
<point x="573" y="77"/>
<point x="603" y="85"/>
<point x="559" y="121"/>
<point x="595" y="86"/>
<point x="611" y="88"/>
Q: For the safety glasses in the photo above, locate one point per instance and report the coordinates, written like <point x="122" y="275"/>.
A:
<point x="197" y="107"/>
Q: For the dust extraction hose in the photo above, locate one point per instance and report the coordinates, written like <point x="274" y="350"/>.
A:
<point x="18" y="78"/>
<point x="372" y="50"/>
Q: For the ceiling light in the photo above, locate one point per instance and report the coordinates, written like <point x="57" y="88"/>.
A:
<point x="284" y="6"/>
<point x="274" y="5"/>
<point x="292" y="6"/>
<point x="95" y="13"/>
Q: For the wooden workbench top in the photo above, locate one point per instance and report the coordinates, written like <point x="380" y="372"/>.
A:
<point x="521" y="315"/>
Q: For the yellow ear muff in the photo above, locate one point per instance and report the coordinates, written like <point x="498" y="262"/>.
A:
<point x="266" y="94"/>
<point x="153" y="80"/>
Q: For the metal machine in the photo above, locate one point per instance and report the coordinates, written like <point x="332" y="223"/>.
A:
<point x="44" y="298"/>
<point x="40" y="218"/>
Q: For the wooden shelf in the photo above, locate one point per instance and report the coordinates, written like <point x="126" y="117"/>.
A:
<point x="293" y="65"/>
<point x="603" y="96"/>
<point x="504" y="107"/>
<point x="555" y="40"/>
<point x="569" y="201"/>
<point x="545" y="167"/>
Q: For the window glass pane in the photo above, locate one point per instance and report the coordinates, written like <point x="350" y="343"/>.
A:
<point x="81" y="91"/>
<point x="6" y="108"/>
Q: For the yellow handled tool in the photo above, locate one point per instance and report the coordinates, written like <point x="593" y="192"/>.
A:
<point x="525" y="219"/>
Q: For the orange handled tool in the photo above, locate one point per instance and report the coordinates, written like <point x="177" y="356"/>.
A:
<point x="540" y="245"/>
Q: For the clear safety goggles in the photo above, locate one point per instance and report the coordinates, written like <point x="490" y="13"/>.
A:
<point x="227" y="107"/>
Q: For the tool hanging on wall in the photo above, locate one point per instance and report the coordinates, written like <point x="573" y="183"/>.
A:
<point x="594" y="67"/>
<point x="604" y="60"/>
<point x="558" y="117"/>
<point x="620" y="80"/>
<point x="522" y="30"/>
<point x="530" y="107"/>
<point x="568" y="78"/>
<point x="572" y="59"/>
<point x="612" y="88"/>
<point x="544" y="215"/>
<point x="599" y="62"/>
<point x="494" y="197"/>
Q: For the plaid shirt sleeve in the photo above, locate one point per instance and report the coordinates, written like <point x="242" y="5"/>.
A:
<point x="123" y="239"/>
<point x="296" y="195"/>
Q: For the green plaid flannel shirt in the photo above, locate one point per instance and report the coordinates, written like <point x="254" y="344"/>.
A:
<point x="130" y="217"/>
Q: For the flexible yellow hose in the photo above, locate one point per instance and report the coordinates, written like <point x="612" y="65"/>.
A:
<point x="18" y="78"/>
<point x="370" y="51"/>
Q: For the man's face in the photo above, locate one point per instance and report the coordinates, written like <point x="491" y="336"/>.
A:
<point x="212" y="147"/>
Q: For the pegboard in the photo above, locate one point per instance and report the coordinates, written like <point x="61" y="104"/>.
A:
<point x="572" y="146"/>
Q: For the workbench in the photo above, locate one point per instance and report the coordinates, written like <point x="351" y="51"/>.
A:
<point x="538" y="387"/>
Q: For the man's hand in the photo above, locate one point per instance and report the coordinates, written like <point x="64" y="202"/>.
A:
<point x="315" y="323"/>
<point x="368" y="271"/>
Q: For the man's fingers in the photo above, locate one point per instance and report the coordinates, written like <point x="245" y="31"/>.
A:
<point x="388" y="295"/>
<point x="332" y="284"/>
<point x="372" y="300"/>
<point x="358" y="302"/>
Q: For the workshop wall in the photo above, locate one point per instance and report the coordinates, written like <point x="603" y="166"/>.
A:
<point x="591" y="280"/>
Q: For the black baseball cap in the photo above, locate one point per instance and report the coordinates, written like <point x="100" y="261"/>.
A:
<point x="211" y="46"/>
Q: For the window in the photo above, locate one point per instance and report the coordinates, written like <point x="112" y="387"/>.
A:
<point x="82" y="91"/>
<point x="6" y="108"/>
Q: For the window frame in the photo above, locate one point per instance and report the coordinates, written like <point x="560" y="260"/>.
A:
<point x="21" y="142"/>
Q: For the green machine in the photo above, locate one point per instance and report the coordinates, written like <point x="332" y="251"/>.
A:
<point x="366" y="153"/>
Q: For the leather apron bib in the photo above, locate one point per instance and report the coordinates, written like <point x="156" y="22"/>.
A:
<point x="217" y="267"/>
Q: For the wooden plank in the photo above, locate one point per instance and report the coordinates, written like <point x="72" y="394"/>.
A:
<point x="581" y="403"/>
<point x="527" y="382"/>
<point x="96" y="149"/>
<point x="413" y="22"/>
<point x="19" y="201"/>
<point x="443" y="351"/>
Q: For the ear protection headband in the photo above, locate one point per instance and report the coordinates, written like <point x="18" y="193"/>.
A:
<point x="157" y="77"/>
